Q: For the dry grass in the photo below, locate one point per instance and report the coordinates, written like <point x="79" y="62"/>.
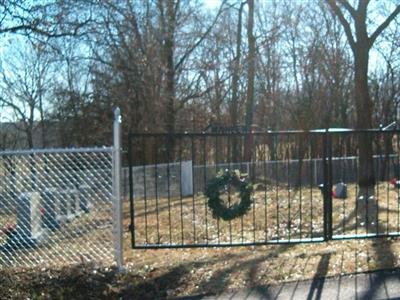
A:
<point x="276" y="214"/>
<point x="84" y="238"/>
<point x="166" y="273"/>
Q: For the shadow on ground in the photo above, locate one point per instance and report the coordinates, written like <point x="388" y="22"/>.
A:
<point x="268" y="271"/>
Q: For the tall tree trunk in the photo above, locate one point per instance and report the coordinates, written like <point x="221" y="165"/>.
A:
<point x="235" y="85"/>
<point x="366" y="177"/>
<point x="250" y="81"/>
<point x="251" y="66"/>
<point x="360" y="44"/>
<point x="42" y="123"/>
<point x="168" y="57"/>
<point x="167" y="10"/>
<point x="29" y="136"/>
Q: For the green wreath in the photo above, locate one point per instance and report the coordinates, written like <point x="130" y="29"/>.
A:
<point x="217" y="205"/>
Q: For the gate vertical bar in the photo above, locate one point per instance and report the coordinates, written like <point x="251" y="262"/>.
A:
<point x="330" y="186"/>
<point x="131" y="205"/>
<point x="327" y="185"/>
<point x="117" y="224"/>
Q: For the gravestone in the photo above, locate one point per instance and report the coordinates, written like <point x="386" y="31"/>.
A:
<point x="51" y="207"/>
<point x="29" y="228"/>
<point x="341" y="190"/>
<point x="69" y="203"/>
<point x="62" y="205"/>
<point x="187" y="178"/>
<point x="75" y="206"/>
<point x="85" y="194"/>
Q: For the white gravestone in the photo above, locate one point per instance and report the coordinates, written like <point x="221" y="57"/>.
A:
<point x="69" y="204"/>
<point x="187" y="178"/>
<point x="36" y="215"/>
<point x="29" y="221"/>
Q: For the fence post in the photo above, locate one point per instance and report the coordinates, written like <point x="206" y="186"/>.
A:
<point x="327" y="189"/>
<point x="316" y="181"/>
<point x="117" y="218"/>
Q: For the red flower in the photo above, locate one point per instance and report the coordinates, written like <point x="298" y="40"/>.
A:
<point x="8" y="229"/>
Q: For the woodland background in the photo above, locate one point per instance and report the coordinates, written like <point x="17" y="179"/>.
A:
<point x="174" y="66"/>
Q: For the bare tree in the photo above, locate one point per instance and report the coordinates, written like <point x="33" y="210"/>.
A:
<point x="355" y="27"/>
<point x="51" y="19"/>
<point x="355" y="24"/>
<point x="170" y="12"/>
<point x="25" y="80"/>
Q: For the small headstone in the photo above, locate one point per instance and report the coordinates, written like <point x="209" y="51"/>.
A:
<point x="74" y="204"/>
<point x="64" y="202"/>
<point x="84" y="195"/>
<point x="29" y="221"/>
<point x="51" y="209"/>
<point x="187" y="178"/>
<point x="341" y="190"/>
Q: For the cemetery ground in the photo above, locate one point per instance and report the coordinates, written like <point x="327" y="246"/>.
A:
<point x="168" y="273"/>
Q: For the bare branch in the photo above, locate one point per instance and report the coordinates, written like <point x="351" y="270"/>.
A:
<point x="201" y="39"/>
<point x="348" y="7"/>
<point x="383" y="26"/>
<point x="51" y="20"/>
<point x="347" y="29"/>
<point x="36" y="29"/>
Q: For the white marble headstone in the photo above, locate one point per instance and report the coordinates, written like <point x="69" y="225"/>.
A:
<point x="187" y="178"/>
<point x="36" y="215"/>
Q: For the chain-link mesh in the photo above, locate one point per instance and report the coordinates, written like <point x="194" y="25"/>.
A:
<point x="55" y="207"/>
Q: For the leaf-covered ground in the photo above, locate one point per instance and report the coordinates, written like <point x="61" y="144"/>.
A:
<point x="160" y="274"/>
<point x="169" y="273"/>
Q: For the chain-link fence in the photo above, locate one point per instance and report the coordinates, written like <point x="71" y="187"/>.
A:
<point x="56" y="207"/>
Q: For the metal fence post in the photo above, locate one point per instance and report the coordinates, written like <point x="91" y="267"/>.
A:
<point x="327" y="185"/>
<point x="117" y="220"/>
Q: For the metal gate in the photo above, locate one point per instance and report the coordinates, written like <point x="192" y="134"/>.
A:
<point x="305" y="187"/>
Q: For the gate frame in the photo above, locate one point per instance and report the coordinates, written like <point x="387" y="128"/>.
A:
<point x="327" y="234"/>
<point x="116" y="186"/>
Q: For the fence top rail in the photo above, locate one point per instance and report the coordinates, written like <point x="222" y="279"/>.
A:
<point x="268" y="132"/>
<point x="57" y="150"/>
<point x="244" y="163"/>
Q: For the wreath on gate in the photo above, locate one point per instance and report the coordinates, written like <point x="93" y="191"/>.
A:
<point x="221" y="183"/>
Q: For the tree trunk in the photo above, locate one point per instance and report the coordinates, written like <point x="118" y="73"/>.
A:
<point x="235" y="86"/>
<point x="251" y="66"/>
<point x="250" y="81"/>
<point x="168" y="22"/>
<point x="168" y="51"/>
<point x="360" y="44"/>
<point x="366" y="177"/>
<point x="42" y="122"/>
<point x="29" y="137"/>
